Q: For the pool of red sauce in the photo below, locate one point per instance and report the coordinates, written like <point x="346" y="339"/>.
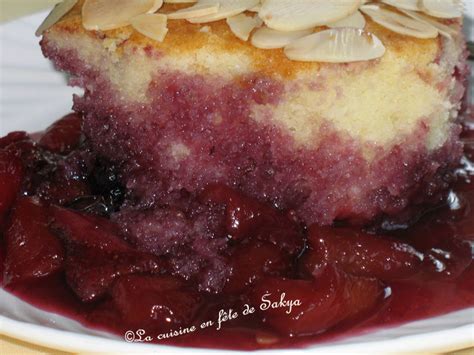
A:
<point x="413" y="299"/>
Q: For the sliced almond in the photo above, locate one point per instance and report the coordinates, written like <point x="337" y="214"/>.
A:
<point x="58" y="12"/>
<point x="180" y="1"/>
<point x="443" y="8"/>
<point x="256" y="8"/>
<point x="151" y="25"/>
<point x="412" y="5"/>
<point x="102" y="15"/>
<point x="227" y="8"/>
<point x="268" y="38"/>
<point x="445" y="30"/>
<point x="242" y="25"/>
<point x="399" y="23"/>
<point x="196" y="10"/>
<point x="293" y="15"/>
<point x="356" y="20"/>
<point x="338" y="45"/>
<point x="158" y="4"/>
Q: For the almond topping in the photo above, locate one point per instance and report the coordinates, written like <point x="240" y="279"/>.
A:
<point x="256" y="8"/>
<point x="399" y="23"/>
<point x="338" y="45"/>
<point x="267" y="38"/>
<point x="290" y="24"/>
<point x="356" y="20"/>
<point x="151" y="25"/>
<point x="404" y="4"/>
<point x="180" y="1"/>
<point x="197" y="10"/>
<point x="227" y="8"/>
<point x="59" y="11"/>
<point x="445" y="30"/>
<point x="242" y="25"/>
<point x="443" y="8"/>
<point x="293" y="15"/>
<point x="158" y="4"/>
<point x="102" y="15"/>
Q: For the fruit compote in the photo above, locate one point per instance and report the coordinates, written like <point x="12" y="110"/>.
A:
<point x="218" y="269"/>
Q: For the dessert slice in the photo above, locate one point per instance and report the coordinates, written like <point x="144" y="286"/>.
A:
<point x="337" y="123"/>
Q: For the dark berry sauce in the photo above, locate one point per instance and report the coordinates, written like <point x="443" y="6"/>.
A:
<point x="70" y="244"/>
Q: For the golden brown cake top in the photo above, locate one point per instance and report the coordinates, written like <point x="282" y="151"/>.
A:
<point x="182" y="37"/>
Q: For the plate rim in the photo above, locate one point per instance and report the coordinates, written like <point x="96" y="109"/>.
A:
<point x="459" y="338"/>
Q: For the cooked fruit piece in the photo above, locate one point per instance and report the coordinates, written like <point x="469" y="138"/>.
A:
<point x="251" y="262"/>
<point x="449" y="258"/>
<point x="12" y="138"/>
<point x="248" y="218"/>
<point x="466" y="224"/>
<point x="96" y="254"/>
<point x="62" y="190"/>
<point x="32" y="251"/>
<point x="90" y="272"/>
<point x="11" y="176"/>
<point x="332" y="297"/>
<point x="48" y="174"/>
<point x="445" y="254"/>
<point x="162" y="303"/>
<point x="64" y="135"/>
<point x="88" y="231"/>
<point x="359" y="253"/>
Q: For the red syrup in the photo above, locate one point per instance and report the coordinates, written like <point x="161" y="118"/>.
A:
<point x="62" y="252"/>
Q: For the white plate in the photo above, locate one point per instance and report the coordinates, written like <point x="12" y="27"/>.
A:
<point x="32" y="95"/>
